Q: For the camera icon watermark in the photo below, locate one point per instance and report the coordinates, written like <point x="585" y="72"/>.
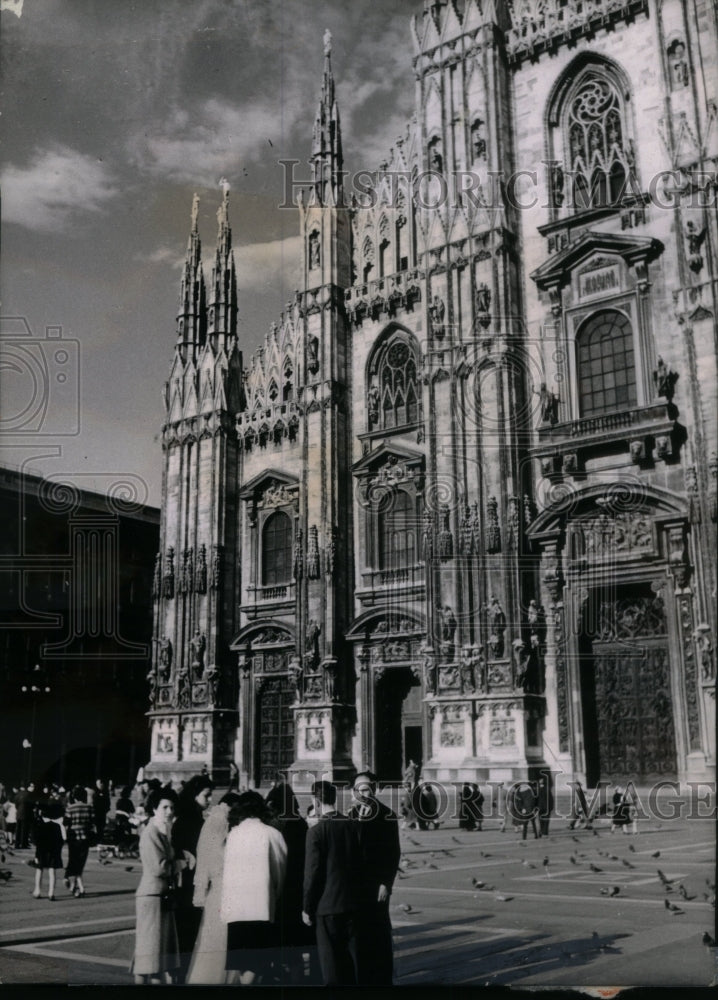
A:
<point x="39" y="380"/>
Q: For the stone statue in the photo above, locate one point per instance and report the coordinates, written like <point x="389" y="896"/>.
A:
<point x="466" y="671"/>
<point x="200" y="582"/>
<point x="373" y="401"/>
<point x="157" y="577"/>
<point x="296" y="673"/>
<point x="314" y="254"/>
<point x="478" y="143"/>
<point x="213" y="678"/>
<point x="183" y="688"/>
<point x="548" y="403"/>
<point x="448" y="623"/>
<point x="197" y="646"/>
<point x="557" y="183"/>
<point x="311" y="646"/>
<point x="436" y="160"/>
<point x="330" y="672"/>
<point x="169" y="579"/>
<point x="497" y="627"/>
<point x="483" y="298"/>
<point x="165" y="658"/>
<point x="313" y="354"/>
<point x="678" y="64"/>
<point x="664" y="379"/>
<point x="152" y="681"/>
<point x="694" y="242"/>
<point x="437" y="310"/>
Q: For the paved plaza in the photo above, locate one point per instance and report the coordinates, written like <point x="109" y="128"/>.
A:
<point x="577" y="908"/>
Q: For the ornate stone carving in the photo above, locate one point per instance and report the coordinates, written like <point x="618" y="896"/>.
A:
<point x="312" y="354"/>
<point x="529" y="511"/>
<point x="184" y="688"/>
<point x="493" y="532"/>
<point x="637" y="450"/>
<point x="685" y="619"/>
<point x="313" y="568"/>
<point x="373" y="400"/>
<point x="200" y="577"/>
<point x="213" y="678"/>
<point x="625" y="533"/>
<point x="446" y="539"/>
<point x="311" y="643"/>
<point x="694" y="502"/>
<point x="678" y="555"/>
<point x="428" y="669"/>
<point x="502" y="732"/>
<point x="186" y="576"/>
<point x="428" y="535"/>
<point x="298" y="562"/>
<point x="713" y="491"/>
<point x="169" y="578"/>
<point x="157" y="576"/>
<point x="449" y="678"/>
<point x="678" y="64"/>
<point x="513" y="524"/>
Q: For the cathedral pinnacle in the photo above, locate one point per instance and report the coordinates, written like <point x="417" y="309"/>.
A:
<point x="222" y="318"/>
<point x="191" y="316"/>
<point x="326" y="141"/>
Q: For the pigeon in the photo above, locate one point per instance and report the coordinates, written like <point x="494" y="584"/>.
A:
<point x="573" y="860"/>
<point x="684" y="892"/>
<point x="656" y="854"/>
<point x="614" y="857"/>
<point x="456" y="840"/>
<point x="433" y="866"/>
<point x="627" y="863"/>
<point x="576" y="839"/>
<point x="477" y="884"/>
<point x="595" y="868"/>
<point x="672" y="907"/>
<point x="484" y="854"/>
<point x="595" y="833"/>
<point x="615" y="889"/>
<point x="708" y="941"/>
<point x="129" y="868"/>
<point x="632" y="848"/>
<point x="503" y="899"/>
<point x="527" y="864"/>
<point x="406" y="907"/>
<point x="6" y="875"/>
<point x="662" y="877"/>
<point x="414" y="842"/>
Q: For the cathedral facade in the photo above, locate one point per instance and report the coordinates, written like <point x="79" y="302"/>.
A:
<point x="460" y="505"/>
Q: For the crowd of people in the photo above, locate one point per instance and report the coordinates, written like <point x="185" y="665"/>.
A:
<point x="248" y="890"/>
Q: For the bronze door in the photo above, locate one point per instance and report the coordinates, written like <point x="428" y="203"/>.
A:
<point x="634" y="728"/>
<point x="274" y="746"/>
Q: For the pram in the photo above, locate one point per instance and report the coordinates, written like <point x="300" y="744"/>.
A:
<point x="123" y="840"/>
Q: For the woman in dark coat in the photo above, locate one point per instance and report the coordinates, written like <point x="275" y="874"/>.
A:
<point x="470" y="814"/>
<point x="192" y="803"/>
<point x="293" y="934"/>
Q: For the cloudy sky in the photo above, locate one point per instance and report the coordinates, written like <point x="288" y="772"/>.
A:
<point x="115" y="112"/>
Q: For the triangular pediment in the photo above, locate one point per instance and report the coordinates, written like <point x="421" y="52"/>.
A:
<point x="266" y="479"/>
<point x="385" y="455"/>
<point x="558" y="268"/>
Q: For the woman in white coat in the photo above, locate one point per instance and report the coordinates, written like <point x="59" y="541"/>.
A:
<point x="208" y="966"/>
<point x="255" y="861"/>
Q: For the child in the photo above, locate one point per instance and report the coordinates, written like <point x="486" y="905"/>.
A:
<point x="48" y="847"/>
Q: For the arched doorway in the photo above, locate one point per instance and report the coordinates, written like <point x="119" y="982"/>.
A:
<point x="624" y="670"/>
<point x="398" y="722"/>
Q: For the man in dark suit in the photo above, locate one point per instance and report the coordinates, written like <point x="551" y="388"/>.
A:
<point x="333" y="888"/>
<point x="381" y="852"/>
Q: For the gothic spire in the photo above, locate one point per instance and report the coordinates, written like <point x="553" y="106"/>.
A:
<point x="191" y="318"/>
<point x="327" y="159"/>
<point x="222" y="318"/>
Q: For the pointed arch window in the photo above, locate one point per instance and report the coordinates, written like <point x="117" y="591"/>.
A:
<point x="593" y="154"/>
<point x="606" y="364"/>
<point x="277" y="550"/>
<point x="394" y="381"/>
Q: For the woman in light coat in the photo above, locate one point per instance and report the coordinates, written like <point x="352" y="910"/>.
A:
<point x="255" y="861"/>
<point x="156" y="957"/>
<point x="209" y="958"/>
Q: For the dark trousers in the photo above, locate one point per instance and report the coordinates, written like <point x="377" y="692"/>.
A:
<point x="22" y="832"/>
<point x="338" y="936"/>
<point x="77" y="851"/>
<point x="376" y="965"/>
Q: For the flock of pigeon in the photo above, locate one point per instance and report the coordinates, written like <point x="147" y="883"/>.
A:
<point x="578" y="859"/>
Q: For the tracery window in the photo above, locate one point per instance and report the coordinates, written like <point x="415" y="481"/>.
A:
<point x="394" y="376"/>
<point x="277" y="550"/>
<point x="599" y="151"/>
<point x="605" y="364"/>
